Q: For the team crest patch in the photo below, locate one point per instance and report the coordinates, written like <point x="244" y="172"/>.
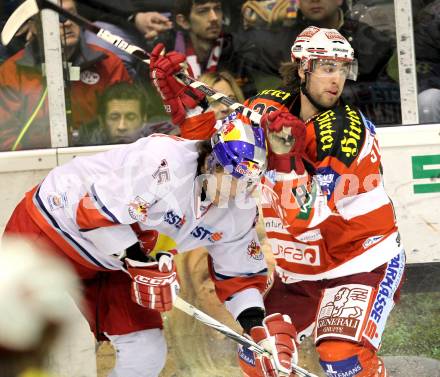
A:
<point x="58" y="200"/>
<point x="254" y="251"/>
<point x="89" y="77"/>
<point x="342" y="312"/>
<point x="138" y="209"/>
<point x="162" y="173"/>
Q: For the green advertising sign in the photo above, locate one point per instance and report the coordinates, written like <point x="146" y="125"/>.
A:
<point x="424" y="167"/>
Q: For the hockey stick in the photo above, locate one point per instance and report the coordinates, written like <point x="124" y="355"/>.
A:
<point x="184" y="306"/>
<point x="31" y="7"/>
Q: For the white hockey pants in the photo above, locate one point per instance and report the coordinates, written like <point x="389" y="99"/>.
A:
<point x="139" y="354"/>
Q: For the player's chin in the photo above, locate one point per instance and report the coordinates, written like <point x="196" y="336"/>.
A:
<point x="329" y="101"/>
<point x="212" y="34"/>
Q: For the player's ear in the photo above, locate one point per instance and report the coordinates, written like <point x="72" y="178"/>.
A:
<point x="301" y="73"/>
<point x="204" y="167"/>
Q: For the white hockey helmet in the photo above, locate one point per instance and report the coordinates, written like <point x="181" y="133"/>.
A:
<point x="315" y="44"/>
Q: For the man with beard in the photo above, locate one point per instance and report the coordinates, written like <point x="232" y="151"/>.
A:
<point x="201" y="38"/>
<point x="331" y="225"/>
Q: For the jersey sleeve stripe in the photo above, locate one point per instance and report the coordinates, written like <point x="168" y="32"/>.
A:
<point x="89" y="217"/>
<point x="102" y="207"/>
<point x="64" y="240"/>
<point x="363" y="203"/>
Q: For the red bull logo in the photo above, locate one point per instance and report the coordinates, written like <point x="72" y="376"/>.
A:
<point x="248" y="169"/>
<point x="228" y="128"/>
<point x="138" y="209"/>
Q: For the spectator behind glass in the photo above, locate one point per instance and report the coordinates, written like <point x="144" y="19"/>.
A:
<point x="426" y="41"/>
<point x="201" y="38"/>
<point x="122" y="112"/>
<point x="24" y="122"/>
<point x="222" y="82"/>
<point x="135" y="26"/>
<point x="376" y="95"/>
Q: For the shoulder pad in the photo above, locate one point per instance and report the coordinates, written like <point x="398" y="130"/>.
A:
<point x="340" y="132"/>
<point x="271" y="99"/>
<point x="280" y="95"/>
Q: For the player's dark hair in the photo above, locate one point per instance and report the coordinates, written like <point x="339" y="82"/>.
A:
<point x="204" y="149"/>
<point x="289" y="74"/>
<point x="184" y="6"/>
<point x="122" y="91"/>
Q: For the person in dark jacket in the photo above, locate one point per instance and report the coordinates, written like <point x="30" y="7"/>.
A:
<point x="200" y="36"/>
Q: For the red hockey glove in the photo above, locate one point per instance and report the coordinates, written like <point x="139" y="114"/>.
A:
<point x="155" y="284"/>
<point x="277" y="335"/>
<point x="176" y="96"/>
<point x="286" y="136"/>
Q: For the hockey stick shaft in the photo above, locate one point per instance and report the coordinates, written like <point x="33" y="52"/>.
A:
<point x="19" y="17"/>
<point x="189" y="309"/>
<point x="207" y="320"/>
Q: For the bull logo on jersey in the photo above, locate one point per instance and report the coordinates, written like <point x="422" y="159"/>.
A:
<point x="343" y="311"/>
<point x="138" y="209"/>
<point x="203" y="233"/>
<point x="254" y="251"/>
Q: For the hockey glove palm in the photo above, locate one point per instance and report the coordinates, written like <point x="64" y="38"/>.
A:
<point x="286" y="136"/>
<point x="277" y="334"/>
<point x="177" y="97"/>
<point x="155" y="284"/>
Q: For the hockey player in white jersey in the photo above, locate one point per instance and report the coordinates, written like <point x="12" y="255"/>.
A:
<point x="118" y="217"/>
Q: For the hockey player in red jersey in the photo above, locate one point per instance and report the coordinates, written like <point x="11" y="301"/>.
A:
<point x="331" y="226"/>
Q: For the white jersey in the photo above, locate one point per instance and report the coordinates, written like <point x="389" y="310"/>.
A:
<point x="97" y="206"/>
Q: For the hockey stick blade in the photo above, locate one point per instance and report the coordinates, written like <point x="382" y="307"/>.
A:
<point x="189" y="309"/>
<point x="17" y="19"/>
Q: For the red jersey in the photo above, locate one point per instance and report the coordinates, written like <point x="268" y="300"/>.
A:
<point x="337" y="220"/>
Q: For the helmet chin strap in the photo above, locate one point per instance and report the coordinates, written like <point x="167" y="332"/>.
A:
<point x="305" y="91"/>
